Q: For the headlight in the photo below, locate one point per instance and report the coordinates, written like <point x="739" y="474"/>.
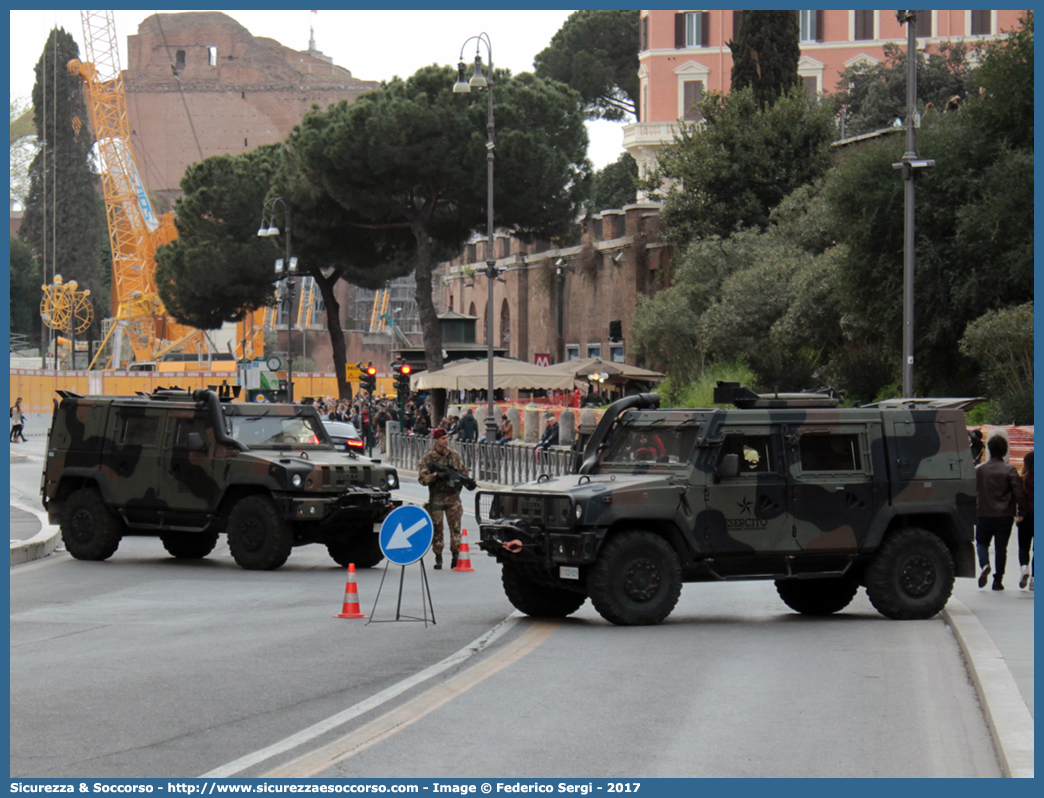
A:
<point x="393" y="480"/>
<point x="296" y="480"/>
<point x="579" y="511"/>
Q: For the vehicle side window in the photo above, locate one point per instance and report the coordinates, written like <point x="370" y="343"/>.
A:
<point x="182" y="428"/>
<point x="138" y="430"/>
<point x="755" y="452"/>
<point x="830" y="452"/>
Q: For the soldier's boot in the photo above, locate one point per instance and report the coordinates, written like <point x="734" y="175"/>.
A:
<point x="1024" y="580"/>
<point x="438" y="561"/>
<point x="453" y="564"/>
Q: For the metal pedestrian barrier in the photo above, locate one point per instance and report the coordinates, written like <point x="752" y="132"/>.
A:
<point x="500" y="464"/>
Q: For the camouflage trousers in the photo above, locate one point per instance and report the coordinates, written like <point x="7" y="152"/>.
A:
<point x="454" y="511"/>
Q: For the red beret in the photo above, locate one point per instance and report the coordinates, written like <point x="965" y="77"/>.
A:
<point x="438" y="432"/>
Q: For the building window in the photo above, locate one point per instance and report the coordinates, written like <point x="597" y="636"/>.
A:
<point x="213" y="56"/>
<point x="737" y="18"/>
<point x="924" y="24"/>
<point x="594" y="350"/>
<point x="179" y="59"/>
<point x="692" y="29"/>
<point x="864" y="25"/>
<point x="616" y="353"/>
<point x="811" y="87"/>
<point x="811" y="24"/>
<point x="692" y="94"/>
<point x="572" y="351"/>
<point x="644" y="35"/>
<point x="981" y="23"/>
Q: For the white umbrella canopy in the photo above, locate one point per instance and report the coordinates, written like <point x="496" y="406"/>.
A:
<point x="507" y="374"/>
<point x="618" y="372"/>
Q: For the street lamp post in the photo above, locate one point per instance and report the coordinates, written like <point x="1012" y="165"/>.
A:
<point x="478" y="81"/>
<point x="286" y="270"/>
<point x="910" y="166"/>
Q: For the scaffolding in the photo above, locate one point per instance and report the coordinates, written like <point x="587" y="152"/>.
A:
<point x="393" y="306"/>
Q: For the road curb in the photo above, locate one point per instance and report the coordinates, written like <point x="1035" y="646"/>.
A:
<point x="1007" y="715"/>
<point x="39" y="545"/>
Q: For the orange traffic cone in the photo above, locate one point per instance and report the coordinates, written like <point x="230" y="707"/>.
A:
<point x="464" y="555"/>
<point x="351" y="597"/>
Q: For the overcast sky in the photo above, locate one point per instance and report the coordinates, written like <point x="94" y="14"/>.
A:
<point x="373" y="45"/>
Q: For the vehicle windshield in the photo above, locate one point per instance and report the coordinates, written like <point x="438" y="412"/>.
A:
<point x="268" y="430"/>
<point x="650" y="445"/>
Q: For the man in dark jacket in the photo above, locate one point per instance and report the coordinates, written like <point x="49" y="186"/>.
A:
<point x="1000" y="490"/>
<point x="468" y="431"/>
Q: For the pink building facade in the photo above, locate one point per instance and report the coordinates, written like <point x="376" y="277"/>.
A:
<point x="684" y="54"/>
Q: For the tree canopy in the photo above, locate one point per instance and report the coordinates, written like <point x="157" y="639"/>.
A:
<point x="596" y="54"/>
<point x="874" y="94"/>
<point x="217" y="220"/>
<point x="765" y="54"/>
<point x="26" y="279"/>
<point x="412" y="157"/>
<point x="64" y="221"/>
<point x="615" y="185"/>
<point x="731" y="172"/>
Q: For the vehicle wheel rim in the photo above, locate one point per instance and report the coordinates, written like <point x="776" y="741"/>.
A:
<point x="82" y="526"/>
<point x="253" y="534"/>
<point x="917" y="576"/>
<point x="642" y="580"/>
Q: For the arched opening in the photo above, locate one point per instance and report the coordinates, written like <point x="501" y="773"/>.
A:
<point x="505" y="325"/>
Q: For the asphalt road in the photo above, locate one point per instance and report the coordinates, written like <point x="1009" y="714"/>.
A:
<point x="148" y="666"/>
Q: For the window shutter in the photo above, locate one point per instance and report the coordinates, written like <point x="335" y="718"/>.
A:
<point x="737" y="17"/>
<point x="644" y="36"/>
<point x="679" y="30"/>
<point x="819" y="25"/>
<point x="693" y="94"/>
<point x="924" y="24"/>
<point x="705" y="28"/>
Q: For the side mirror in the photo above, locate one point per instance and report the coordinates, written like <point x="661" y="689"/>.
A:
<point x="728" y="468"/>
<point x="196" y="443"/>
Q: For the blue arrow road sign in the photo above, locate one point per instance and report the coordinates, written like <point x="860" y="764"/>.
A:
<point x="406" y="534"/>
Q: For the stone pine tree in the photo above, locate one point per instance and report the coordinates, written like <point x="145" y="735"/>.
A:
<point x="64" y="222"/>
<point x="411" y="159"/>
<point x="765" y="54"/>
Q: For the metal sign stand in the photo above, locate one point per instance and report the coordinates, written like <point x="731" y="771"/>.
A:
<point x="425" y="604"/>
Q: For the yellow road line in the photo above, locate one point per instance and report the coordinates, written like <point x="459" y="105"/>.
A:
<point x="413" y="710"/>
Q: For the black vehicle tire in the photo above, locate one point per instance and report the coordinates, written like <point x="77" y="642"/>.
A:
<point x="636" y="580"/>
<point x="189" y="545"/>
<point x="90" y="531"/>
<point x="364" y="550"/>
<point x="911" y="576"/>
<point x="817" y="596"/>
<point x="539" y="601"/>
<point x="260" y="540"/>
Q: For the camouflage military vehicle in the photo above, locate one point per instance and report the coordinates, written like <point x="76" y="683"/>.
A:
<point x="792" y="488"/>
<point x="187" y="466"/>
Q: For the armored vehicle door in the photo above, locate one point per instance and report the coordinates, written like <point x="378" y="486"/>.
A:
<point x="135" y="459"/>
<point x="832" y="486"/>
<point x="190" y="483"/>
<point x="748" y="513"/>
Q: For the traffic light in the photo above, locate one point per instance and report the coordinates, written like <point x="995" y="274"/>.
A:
<point x="402" y="376"/>
<point x="368" y="377"/>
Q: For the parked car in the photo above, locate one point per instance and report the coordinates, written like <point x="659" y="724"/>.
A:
<point x="344" y="436"/>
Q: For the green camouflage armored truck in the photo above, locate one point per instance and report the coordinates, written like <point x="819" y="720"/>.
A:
<point x="186" y="466"/>
<point x="793" y="488"/>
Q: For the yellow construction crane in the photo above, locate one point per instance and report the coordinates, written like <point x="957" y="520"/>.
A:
<point x="135" y="231"/>
<point x="380" y="310"/>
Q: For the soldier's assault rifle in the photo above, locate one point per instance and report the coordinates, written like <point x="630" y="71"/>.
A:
<point x="453" y="476"/>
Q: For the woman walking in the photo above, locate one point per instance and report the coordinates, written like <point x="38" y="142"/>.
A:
<point x="17" y="421"/>
<point x="1026" y="525"/>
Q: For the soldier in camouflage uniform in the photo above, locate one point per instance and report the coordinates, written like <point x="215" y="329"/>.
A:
<point x="443" y="493"/>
